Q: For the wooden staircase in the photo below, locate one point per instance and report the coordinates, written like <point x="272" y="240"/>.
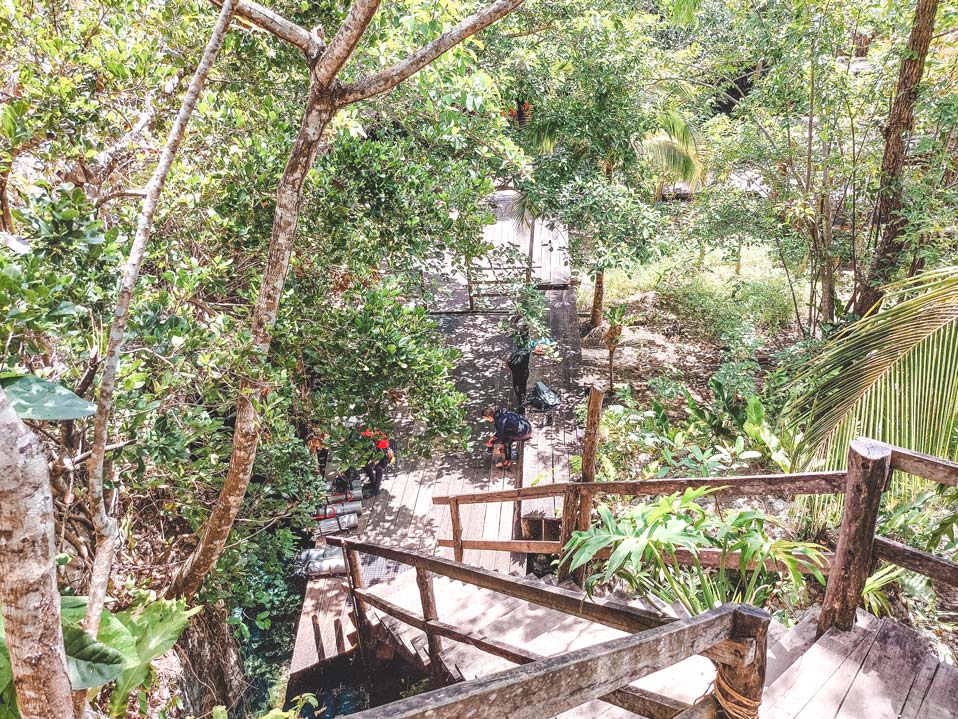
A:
<point x="877" y="670"/>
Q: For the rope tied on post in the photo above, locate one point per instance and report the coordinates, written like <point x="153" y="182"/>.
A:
<point x="735" y="705"/>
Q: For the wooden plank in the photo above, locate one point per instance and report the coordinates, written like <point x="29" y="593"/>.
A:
<point x="937" y="568"/>
<point x="805" y="677"/>
<point x="881" y="687"/>
<point x="550" y="686"/>
<point x="456" y="530"/>
<point x="394" y="610"/>
<point x="919" y="687"/>
<point x="506" y="545"/>
<point x="790" y="647"/>
<point x="608" y="612"/>
<point x="924" y="465"/>
<point x="780" y="485"/>
<point x="429" y="613"/>
<point x="941" y="701"/>
<point x="869" y="471"/>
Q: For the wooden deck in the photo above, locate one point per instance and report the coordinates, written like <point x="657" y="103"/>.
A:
<point x="403" y="514"/>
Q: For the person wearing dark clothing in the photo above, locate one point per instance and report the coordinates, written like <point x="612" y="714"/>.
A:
<point x="518" y="364"/>
<point x="375" y="468"/>
<point x="510" y="427"/>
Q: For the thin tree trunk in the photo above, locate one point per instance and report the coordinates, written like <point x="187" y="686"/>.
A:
<point x="320" y="110"/>
<point x="106" y="529"/>
<point x="598" y="295"/>
<point x="888" y="221"/>
<point x="28" y="585"/>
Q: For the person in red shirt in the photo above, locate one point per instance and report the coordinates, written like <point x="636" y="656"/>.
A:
<point x="376" y="468"/>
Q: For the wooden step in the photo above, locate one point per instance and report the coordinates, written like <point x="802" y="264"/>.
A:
<point x="795" y="642"/>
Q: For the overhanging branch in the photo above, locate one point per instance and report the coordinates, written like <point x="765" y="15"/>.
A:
<point x="391" y="76"/>
<point x="345" y="40"/>
<point x="275" y="24"/>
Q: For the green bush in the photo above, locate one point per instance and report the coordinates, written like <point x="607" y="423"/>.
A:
<point x="723" y="309"/>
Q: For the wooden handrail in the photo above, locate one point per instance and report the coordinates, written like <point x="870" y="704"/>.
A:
<point x="552" y="685"/>
<point x="607" y="612"/>
<point x="923" y="465"/>
<point x="938" y="568"/>
<point x="759" y="484"/>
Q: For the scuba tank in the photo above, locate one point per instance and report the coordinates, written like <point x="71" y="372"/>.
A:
<point x="336" y="510"/>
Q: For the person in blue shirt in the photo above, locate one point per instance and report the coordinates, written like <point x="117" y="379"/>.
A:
<point x="510" y="427"/>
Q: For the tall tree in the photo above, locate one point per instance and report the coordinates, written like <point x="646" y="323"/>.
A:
<point x="327" y="95"/>
<point x="28" y="583"/>
<point x="888" y="223"/>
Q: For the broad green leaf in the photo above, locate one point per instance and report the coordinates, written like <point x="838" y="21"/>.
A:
<point x="90" y="663"/>
<point x="35" y="398"/>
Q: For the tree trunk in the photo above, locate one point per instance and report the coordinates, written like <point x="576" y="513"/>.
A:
<point x="320" y="110"/>
<point x="888" y="222"/>
<point x="28" y="585"/>
<point x="597" y="296"/>
<point x="212" y="666"/>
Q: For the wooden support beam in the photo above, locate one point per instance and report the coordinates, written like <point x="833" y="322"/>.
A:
<point x="355" y="571"/>
<point x="553" y="685"/>
<point x="779" y="485"/>
<point x="583" y="520"/>
<point x="318" y="637"/>
<point x="456" y="529"/>
<point x="430" y="614"/>
<point x="738" y="689"/>
<point x="939" y="569"/>
<point x="869" y="471"/>
<point x="590" y="440"/>
<point x="570" y="513"/>
<point x="527" y="546"/>
<point x="924" y="465"/>
<point x="608" y="612"/>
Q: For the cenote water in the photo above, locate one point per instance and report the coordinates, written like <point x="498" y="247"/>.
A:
<point x="347" y="685"/>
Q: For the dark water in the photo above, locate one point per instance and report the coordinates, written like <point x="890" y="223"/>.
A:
<point x="347" y="685"/>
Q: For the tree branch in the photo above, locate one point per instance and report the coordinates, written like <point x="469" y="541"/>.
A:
<point x="345" y="40"/>
<point x="275" y="24"/>
<point x="106" y="529"/>
<point x="391" y="76"/>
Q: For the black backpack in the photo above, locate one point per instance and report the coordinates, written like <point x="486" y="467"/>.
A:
<point x="518" y="357"/>
<point x="542" y="398"/>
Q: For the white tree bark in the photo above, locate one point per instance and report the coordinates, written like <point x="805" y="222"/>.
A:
<point x="106" y="530"/>
<point x="28" y="584"/>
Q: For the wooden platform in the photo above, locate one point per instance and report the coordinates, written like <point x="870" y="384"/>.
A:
<point x="403" y="515"/>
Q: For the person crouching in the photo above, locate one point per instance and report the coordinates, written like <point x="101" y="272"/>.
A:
<point x="510" y="427"/>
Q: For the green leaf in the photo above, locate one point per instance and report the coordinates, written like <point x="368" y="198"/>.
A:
<point x="36" y="398"/>
<point x="89" y="663"/>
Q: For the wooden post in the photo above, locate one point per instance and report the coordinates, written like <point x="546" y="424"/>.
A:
<point x="430" y="614"/>
<point x="869" y="471"/>
<point x="738" y="687"/>
<point x="590" y="442"/>
<point x="532" y="245"/>
<point x="582" y="521"/>
<point x="318" y="637"/>
<point x="356" y="582"/>
<point x="456" y="528"/>
<point x="472" y="300"/>
<point x="570" y="517"/>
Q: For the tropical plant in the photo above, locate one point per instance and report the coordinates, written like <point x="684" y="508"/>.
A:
<point x="891" y="376"/>
<point x="645" y="541"/>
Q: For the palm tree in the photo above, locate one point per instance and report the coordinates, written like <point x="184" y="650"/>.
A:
<point x="892" y="376"/>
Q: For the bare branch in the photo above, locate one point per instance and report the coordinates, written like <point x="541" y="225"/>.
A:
<point x="344" y="42"/>
<point x="275" y="24"/>
<point x="103" y="199"/>
<point x="394" y="74"/>
<point x="106" y="529"/>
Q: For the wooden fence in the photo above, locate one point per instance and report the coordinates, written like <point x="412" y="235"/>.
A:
<point x="870" y="466"/>
<point x="732" y="636"/>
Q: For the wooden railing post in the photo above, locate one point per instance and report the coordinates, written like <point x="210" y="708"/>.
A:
<point x="739" y="687"/>
<point x="869" y="471"/>
<point x="356" y="582"/>
<point x="430" y="614"/>
<point x="570" y="516"/>
<point x="590" y="441"/>
<point x="456" y="528"/>
<point x="583" y="520"/>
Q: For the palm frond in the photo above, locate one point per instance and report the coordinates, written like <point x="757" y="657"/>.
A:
<point x="675" y="126"/>
<point x="672" y="157"/>
<point x="892" y="376"/>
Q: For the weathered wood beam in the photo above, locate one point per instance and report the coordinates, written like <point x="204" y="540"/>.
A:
<point x="608" y="612"/>
<point x="937" y="568"/>
<point x="924" y="465"/>
<point x="555" y="684"/>
<point x="704" y="557"/>
<point x="869" y="471"/>
<point x="761" y="484"/>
